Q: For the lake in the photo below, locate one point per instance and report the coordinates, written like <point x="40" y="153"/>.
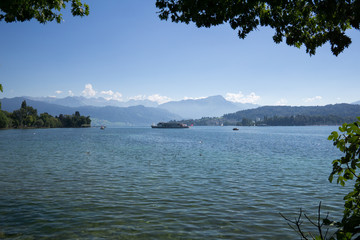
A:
<point x="143" y="183"/>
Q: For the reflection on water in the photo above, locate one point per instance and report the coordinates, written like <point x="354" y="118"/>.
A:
<point x="142" y="183"/>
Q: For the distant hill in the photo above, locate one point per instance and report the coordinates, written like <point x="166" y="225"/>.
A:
<point x="214" y="106"/>
<point x="145" y="103"/>
<point x="358" y="102"/>
<point x="136" y="115"/>
<point x="343" y="110"/>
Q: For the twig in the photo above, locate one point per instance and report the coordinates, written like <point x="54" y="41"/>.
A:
<point x="297" y="223"/>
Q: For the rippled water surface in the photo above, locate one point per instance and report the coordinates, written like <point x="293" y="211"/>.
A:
<point x="143" y="183"/>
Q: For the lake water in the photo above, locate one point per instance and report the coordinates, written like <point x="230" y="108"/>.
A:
<point x="143" y="183"/>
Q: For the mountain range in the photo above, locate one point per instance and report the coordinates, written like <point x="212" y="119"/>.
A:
<point x="133" y="112"/>
<point x="214" y="106"/>
<point x="145" y="112"/>
<point x="79" y="101"/>
<point x="206" y="107"/>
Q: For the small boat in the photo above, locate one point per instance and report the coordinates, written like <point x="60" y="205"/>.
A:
<point x="235" y="129"/>
<point x="170" y="125"/>
<point x="102" y="127"/>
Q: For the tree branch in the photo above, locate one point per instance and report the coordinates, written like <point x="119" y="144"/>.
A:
<point x="297" y="223"/>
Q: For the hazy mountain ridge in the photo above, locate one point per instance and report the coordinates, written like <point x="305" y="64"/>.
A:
<point x="79" y="101"/>
<point x="136" y="115"/>
<point x="213" y="106"/>
<point x="195" y="109"/>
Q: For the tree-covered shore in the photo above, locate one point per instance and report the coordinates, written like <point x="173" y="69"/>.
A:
<point x="297" y="120"/>
<point x="27" y="117"/>
<point x="336" y="114"/>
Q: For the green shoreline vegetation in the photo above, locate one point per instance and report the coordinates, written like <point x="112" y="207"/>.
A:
<point x="296" y="120"/>
<point x="27" y="117"/>
<point x="336" y="115"/>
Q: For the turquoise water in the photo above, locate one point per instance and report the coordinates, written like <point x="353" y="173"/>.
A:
<point x="143" y="183"/>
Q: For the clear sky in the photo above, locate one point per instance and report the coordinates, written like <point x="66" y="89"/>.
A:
<point x="123" y="51"/>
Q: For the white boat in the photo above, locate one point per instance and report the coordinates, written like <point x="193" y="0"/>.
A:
<point x="170" y="125"/>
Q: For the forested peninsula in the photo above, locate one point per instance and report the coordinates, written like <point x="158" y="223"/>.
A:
<point x="336" y="114"/>
<point x="27" y="117"/>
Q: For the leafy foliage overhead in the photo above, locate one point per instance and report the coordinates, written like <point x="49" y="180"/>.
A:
<point x="312" y="23"/>
<point x="41" y="10"/>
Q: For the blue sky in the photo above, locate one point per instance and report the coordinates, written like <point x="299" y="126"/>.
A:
<point x="123" y="51"/>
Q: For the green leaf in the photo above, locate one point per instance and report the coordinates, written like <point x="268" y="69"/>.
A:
<point x="342" y="183"/>
<point x="334" y="135"/>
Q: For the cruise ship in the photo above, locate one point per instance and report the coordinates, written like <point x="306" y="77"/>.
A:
<point x="170" y="125"/>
